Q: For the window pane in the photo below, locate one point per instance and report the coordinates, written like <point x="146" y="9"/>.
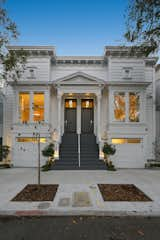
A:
<point x="87" y="103"/>
<point x="70" y="103"/>
<point x="133" y="107"/>
<point x="38" y="107"/>
<point x="24" y="107"/>
<point x="119" y="140"/>
<point x="125" y="140"/>
<point x="29" y="139"/>
<point x="119" y="106"/>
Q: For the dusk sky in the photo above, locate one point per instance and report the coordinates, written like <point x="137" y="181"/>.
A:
<point x="73" y="27"/>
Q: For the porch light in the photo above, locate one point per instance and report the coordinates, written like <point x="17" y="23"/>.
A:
<point x="70" y="103"/>
<point x="87" y="104"/>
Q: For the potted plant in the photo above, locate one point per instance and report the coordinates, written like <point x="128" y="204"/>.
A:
<point x="109" y="149"/>
<point x="48" y="151"/>
<point x="4" y="152"/>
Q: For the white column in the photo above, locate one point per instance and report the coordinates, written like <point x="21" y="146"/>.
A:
<point x="78" y="115"/>
<point x="59" y="98"/>
<point x="99" y="117"/>
<point x="47" y="105"/>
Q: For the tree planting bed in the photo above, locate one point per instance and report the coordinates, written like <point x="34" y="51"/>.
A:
<point x="122" y="192"/>
<point x="35" y="192"/>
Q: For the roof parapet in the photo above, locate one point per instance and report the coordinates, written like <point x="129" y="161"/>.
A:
<point x="122" y="51"/>
<point x="35" y="50"/>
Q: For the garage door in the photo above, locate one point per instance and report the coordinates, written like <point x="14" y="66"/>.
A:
<point x="129" y="153"/>
<point x="25" y="152"/>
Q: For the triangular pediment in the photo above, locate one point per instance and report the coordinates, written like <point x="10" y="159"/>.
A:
<point x="79" y="78"/>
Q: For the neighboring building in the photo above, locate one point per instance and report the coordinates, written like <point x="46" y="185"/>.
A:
<point x="111" y="97"/>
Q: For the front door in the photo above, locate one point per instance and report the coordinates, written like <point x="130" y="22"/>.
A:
<point x="87" y="116"/>
<point x="70" y="116"/>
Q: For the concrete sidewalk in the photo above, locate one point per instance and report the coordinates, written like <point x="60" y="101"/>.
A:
<point x="14" y="180"/>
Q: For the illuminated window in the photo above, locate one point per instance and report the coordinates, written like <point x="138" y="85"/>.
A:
<point x="133" y="107"/>
<point x="119" y="106"/>
<point x="24" y="107"/>
<point x="30" y="139"/>
<point x="125" y="140"/>
<point x="38" y="107"/>
<point x="87" y="103"/>
<point x="127" y="106"/>
<point x="70" y="103"/>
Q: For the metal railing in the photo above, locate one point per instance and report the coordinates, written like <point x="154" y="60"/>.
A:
<point x="79" y="150"/>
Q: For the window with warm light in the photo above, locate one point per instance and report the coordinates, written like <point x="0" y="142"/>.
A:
<point x="126" y="106"/>
<point x="30" y="139"/>
<point x="125" y="140"/>
<point x="24" y="107"/>
<point x="119" y="106"/>
<point x="38" y="107"/>
<point x="87" y="103"/>
<point x="70" y="103"/>
<point x="134" y="107"/>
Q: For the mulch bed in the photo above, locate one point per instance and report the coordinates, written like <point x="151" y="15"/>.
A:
<point x="35" y="192"/>
<point x="122" y="192"/>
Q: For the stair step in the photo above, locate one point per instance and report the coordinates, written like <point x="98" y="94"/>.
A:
<point x="69" y="153"/>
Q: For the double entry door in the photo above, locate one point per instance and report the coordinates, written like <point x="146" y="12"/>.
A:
<point x="87" y="116"/>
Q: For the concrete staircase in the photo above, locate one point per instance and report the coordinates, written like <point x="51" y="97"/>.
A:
<point x="69" y="153"/>
<point x="90" y="153"/>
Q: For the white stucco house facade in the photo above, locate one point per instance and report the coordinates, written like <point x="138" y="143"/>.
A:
<point x="111" y="96"/>
<point x="158" y="101"/>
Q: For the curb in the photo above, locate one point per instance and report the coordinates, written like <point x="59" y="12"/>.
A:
<point x="27" y="213"/>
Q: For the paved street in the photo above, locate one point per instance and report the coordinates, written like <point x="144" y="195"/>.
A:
<point x="79" y="228"/>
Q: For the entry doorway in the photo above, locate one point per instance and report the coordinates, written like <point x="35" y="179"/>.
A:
<point x="70" y="116"/>
<point x="87" y="116"/>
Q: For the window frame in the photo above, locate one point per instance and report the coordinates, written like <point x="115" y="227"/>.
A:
<point x="126" y="91"/>
<point x="31" y="103"/>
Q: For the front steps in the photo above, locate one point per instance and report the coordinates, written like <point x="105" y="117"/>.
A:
<point x="89" y="159"/>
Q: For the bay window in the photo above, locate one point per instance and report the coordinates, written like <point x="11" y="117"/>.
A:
<point x="31" y="107"/>
<point x="126" y="106"/>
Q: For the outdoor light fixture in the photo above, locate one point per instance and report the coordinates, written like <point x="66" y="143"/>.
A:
<point x="70" y="103"/>
<point x="87" y="104"/>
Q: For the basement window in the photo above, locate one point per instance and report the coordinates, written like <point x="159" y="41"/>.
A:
<point x="125" y="140"/>
<point x="30" y="139"/>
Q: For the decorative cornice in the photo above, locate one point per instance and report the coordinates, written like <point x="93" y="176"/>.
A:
<point x="35" y="50"/>
<point x="122" y="51"/>
<point x="79" y="60"/>
<point x="30" y="83"/>
<point x="151" y="61"/>
<point x="117" y="83"/>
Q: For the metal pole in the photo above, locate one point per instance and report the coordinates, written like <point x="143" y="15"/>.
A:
<point x="39" y="179"/>
<point x="79" y="151"/>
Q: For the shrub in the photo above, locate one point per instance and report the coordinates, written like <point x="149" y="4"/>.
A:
<point x="4" y="151"/>
<point x="48" y="151"/>
<point x="109" y="149"/>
